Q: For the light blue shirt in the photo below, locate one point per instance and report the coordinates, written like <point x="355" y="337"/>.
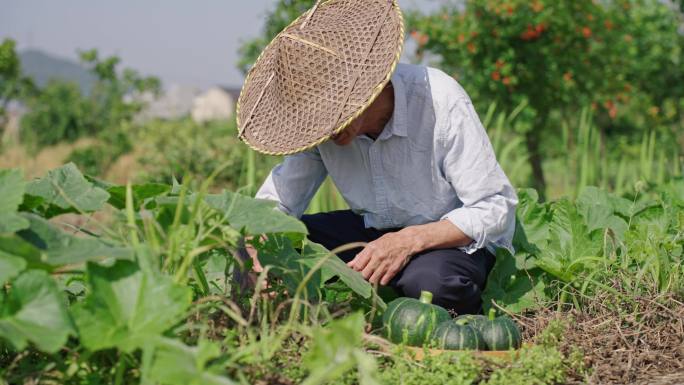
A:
<point x="433" y="160"/>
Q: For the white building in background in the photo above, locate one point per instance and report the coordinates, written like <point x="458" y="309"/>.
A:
<point x="217" y="103"/>
<point x="173" y="103"/>
<point x="177" y="102"/>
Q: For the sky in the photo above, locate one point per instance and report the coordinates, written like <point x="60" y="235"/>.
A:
<point x="183" y="42"/>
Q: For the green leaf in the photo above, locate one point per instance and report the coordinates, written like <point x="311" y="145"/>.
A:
<point x="256" y="216"/>
<point x="532" y="228"/>
<point x="287" y="264"/>
<point x="175" y="363"/>
<point x="11" y="222"/>
<point x="65" y="190"/>
<point x="10" y="266"/>
<point x="59" y="248"/>
<point x="12" y="187"/>
<point x="572" y="247"/>
<point x="117" y="194"/>
<point x="278" y="252"/>
<point x="127" y="307"/>
<point x="335" y="267"/>
<point x="672" y="192"/>
<point x="334" y="342"/>
<point x="15" y="246"/>
<point x="35" y="311"/>
<point x="598" y="207"/>
<point x="336" y="349"/>
<point x="515" y="290"/>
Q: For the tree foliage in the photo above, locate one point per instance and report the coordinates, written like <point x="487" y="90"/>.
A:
<point x="13" y="85"/>
<point x="284" y="13"/>
<point x="61" y="112"/>
<point x="557" y="57"/>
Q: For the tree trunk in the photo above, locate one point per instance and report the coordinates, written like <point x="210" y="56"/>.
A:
<point x="532" y="139"/>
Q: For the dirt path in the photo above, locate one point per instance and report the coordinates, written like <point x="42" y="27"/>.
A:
<point x="624" y="343"/>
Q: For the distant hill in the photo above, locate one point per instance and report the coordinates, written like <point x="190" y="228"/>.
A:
<point x="42" y="67"/>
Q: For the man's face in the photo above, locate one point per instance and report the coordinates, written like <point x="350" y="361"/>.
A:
<point x="371" y="121"/>
<point x="354" y="129"/>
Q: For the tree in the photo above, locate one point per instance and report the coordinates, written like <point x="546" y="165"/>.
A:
<point x="60" y="112"/>
<point x="556" y="56"/>
<point x="285" y="12"/>
<point x="114" y="95"/>
<point x="13" y="85"/>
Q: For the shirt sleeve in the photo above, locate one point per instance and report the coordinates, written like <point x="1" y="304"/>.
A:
<point x="489" y="200"/>
<point x="294" y="182"/>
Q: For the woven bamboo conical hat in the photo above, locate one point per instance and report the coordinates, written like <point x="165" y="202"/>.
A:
<point x="319" y="74"/>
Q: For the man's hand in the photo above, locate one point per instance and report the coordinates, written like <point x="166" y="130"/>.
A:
<point x="256" y="265"/>
<point x="384" y="257"/>
<point x="256" y="269"/>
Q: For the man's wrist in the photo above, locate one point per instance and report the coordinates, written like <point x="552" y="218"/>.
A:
<point x="440" y="234"/>
<point x="416" y="237"/>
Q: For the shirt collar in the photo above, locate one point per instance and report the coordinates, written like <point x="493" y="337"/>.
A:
<point x="397" y="124"/>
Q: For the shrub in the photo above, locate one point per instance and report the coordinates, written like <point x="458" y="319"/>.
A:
<point x="96" y="159"/>
<point x="60" y="112"/>
<point x="556" y="56"/>
<point x="179" y="148"/>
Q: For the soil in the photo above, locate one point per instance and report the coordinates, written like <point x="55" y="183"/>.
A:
<point x="634" y="341"/>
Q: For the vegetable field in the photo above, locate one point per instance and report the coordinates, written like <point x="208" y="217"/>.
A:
<point x="136" y="284"/>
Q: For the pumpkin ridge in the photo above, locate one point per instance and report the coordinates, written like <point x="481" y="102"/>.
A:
<point x="391" y="315"/>
<point x="419" y="322"/>
<point x="432" y="325"/>
<point x="510" y="336"/>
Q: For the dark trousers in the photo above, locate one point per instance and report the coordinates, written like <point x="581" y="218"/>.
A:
<point x="456" y="279"/>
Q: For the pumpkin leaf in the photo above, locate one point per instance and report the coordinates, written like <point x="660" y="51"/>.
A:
<point x="277" y="251"/>
<point x="513" y="289"/>
<point x="335" y="267"/>
<point x="255" y="216"/>
<point x="335" y="350"/>
<point x="34" y="311"/>
<point x="65" y="190"/>
<point x="532" y="228"/>
<point x="128" y="307"/>
<point x="117" y="194"/>
<point x="12" y="187"/>
<point x="175" y="363"/>
<point x="59" y="248"/>
<point x="10" y="266"/>
<point x="572" y="247"/>
<point x="598" y="208"/>
<point x="15" y="246"/>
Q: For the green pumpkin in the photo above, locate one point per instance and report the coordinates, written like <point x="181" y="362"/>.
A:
<point x="473" y="320"/>
<point x="457" y="335"/>
<point x="500" y="333"/>
<point x="412" y="321"/>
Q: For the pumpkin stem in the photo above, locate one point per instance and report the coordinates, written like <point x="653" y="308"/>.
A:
<point x="492" y="314"/>
<point x="425" y="297"/>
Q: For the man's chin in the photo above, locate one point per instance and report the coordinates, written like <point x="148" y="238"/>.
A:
<point x="342" y="141"/>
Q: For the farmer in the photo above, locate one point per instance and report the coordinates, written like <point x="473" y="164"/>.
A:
<point x="402" y="143"/>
